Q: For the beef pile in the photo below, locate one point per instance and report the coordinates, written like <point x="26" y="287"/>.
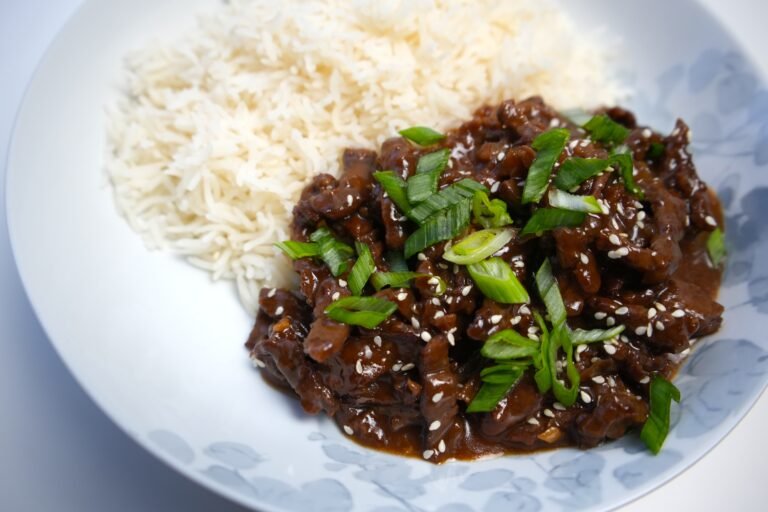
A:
<point x="404" y="386"/>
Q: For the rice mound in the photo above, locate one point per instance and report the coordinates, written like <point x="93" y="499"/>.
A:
<point x="217" y="133"/>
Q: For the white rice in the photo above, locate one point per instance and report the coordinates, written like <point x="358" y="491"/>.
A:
<point x="218" y="132"/>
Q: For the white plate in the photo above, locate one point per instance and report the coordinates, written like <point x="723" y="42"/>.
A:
<point x="158" y="345"/>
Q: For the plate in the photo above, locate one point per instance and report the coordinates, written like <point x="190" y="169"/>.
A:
<point x="158" y="345"/>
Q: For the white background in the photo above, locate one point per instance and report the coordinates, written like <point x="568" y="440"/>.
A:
<point x="59" y="452"/>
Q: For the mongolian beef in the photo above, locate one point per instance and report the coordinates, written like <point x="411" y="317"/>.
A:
<point x="525" y="281"/>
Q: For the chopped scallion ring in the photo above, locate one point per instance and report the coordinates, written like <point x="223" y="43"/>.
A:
<point x="498" y="282"/>
<point x="296" y="250"/>
<point x="362" y="269"/>
<point x="333" y="252"/>
<point x="548" y="145"/>
<point x="422" y="135"/>
<point x="656" y="427"/>
<point x="604" y="129"/>
<point x="546" y="219"/>
<point x="478" y="246"/>
<point x="367" y="312"/>
<point x="716" y="247"/>
<point x="574" y="203"/>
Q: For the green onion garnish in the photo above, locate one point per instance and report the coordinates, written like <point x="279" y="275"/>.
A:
<point x="489" y="213"/>
<point x="444" y="225"/>
<point x="604" y="129"/>
<point x="362" y="269"/>
<point x="445" y="198"/>
<point x="550" y="294"/>
<point x="381" y="280"/>
<point x="559" y="338"/>
<point x="656" y="151"/>
<point x="333" y="252"/>
<point x="422" y="135"/>
<point x="624" y="160"/>
<point x="509" y="344"/>
<point x="367" y="312"/>
<point x="296" y="250"/>
<point x="574" y="203"/>
<point x="656" y="427"/>
<point x="498" y="282"/>
<point x="478" y="246"/>
<point x="433" y="162"/>
<point x="543" y="376"/>
<point x="580" y="336"/>
<point x="423" y="184"/>
<point x="549" y="145"/>
<point x="574" y="171"/>
<point x="545" y="219"/>
<point x="490" y="393"/>
<point x="716" y="247"/>
<point x="395" y="187"/>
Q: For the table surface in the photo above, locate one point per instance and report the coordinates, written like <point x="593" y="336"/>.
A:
<point x="60" y="452"/>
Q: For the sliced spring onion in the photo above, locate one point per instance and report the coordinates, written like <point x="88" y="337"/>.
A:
<point x="548" y="145"/>
<point x="489" y="213"/>
<point x="367" y="312"/>
<point x="559" y="338"/>
<point x="509" y="344"/>
<point x="491" y="393"/>
<point x="543" y="377"/>
<point x="396" y="188"/>
<point x="502" y="373"/>
<point x="422" y="135"/>
<point x="716" y="247"/>
<point x="655" y="151"/>
<point x="497" y="281"/>
<point x="422" y="186"/>
<point x="574" y="203"/>
<point x="444" y="225"/>
<point x="296" y="250"/>
<point x="396" y="261"/>
<point x="575" y="171"/>
<point x="445" y="198"/>
<point x="604" y="129"/>
<point x="333" y="252"/>
<point x="433" y="162"/>
<point x="381" y="280"/>
<point x="580" y="336"/>
<point x="478" y="246"/>
<point x="656" y="427"/>
<point x="550" y="294"/>
<point x="362" y="269"/>
<point x="626" y="168"/>
<point x="545" y="219"/>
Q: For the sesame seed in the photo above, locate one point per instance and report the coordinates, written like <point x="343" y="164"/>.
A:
<point x="451" y="339"/>
<point x="350" y="199"/>
<point x="558" y="406"/>
<point x="435" y="301"/>
<point x="678" y="313"/>
<point x="495" y="319"/>
<point x="646" y="133"/>
<point x="585" y="397"/>
<point x="615" y="224"/>
<point x="449" y="300"/>
<point x="623" y="310"/>
<point x="272" y="292"/>
<point x="614" y="239"/>
<point x="651" y="312"/>
<point x="433" y="281"/>
<point x="548" y="413"/>
<point x="495" y="187"/>
<point x="368" y="352"/>
<point x="534" y="337"/>
<point x="660" y="306"/>
<point x="279" y="310"/>
<point x="581" y="348"/>
<point x="415" y="322"/>
<point x="524" y="310"/>
<point x="649" y="330"/>
<point x="377" y="340"/>
<point x="533" y="421"/>
<point x="438" y="314"/>
<point x="434" y="425"/>
<point x="335" y="296"/>
<point x="516" y="319"/>
<point x="402" y="296"/>
<point x="611" y="381"/>
<point x="518" y="263"/>
<point x="645" y="380"/>
<point x="659" y="326"/>
<point x="426" y="336"/>
<point x="640" y="330"/>
<point x="622" y="251"/>
<point x="348" y="430"/>
<point x="437" y="397"/>
<point x="465" y="291"/>
<point x="641" y="215"/>
<point x="600" y="315"/>
<point x="421" y="257"/>
<point x="397" y="367"/>
<point x="609" y="349"/>
<point x="710" y="220"/>
<point x="584" y="258"/>
<point x="614" y="255"/>
<point x="441" y="446"/>
<point x="359" y="366"/>
<point x="408" y="366"/>
<point x="258" y="363"/>
<point x="342" y="283"/>
<point x="620" y="208"/>
<point x="624" y="338"/>
<point x="610" y="321"/>
<point x="427" y="453"/>
<point x="598" y="379"/>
